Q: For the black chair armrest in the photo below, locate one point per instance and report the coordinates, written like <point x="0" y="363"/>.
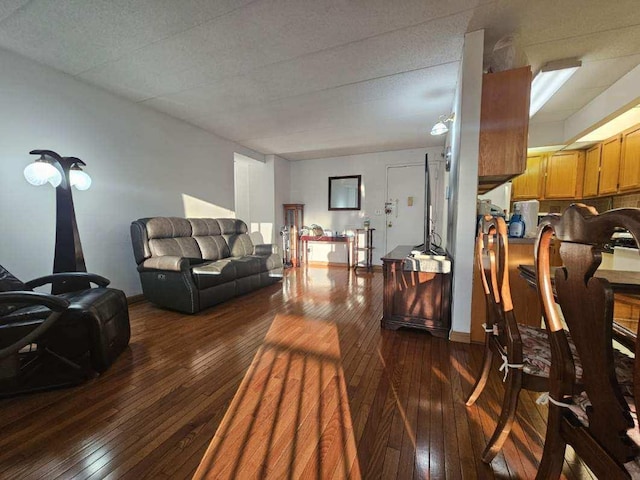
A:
<point x="52" y="302"/>
<point x="166" y="262"/>
<point x="57" y="305"/>
<point x="263" y="249"/>
<point x="92" y="277"/>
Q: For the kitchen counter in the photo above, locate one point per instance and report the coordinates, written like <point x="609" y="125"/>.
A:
<point x="522" y="241"/>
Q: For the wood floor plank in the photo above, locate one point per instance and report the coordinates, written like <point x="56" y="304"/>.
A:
<point x="154" y="413"/>
<point x="421" y="459"/>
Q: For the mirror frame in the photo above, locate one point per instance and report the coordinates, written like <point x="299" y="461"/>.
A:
<point x="355" y="207"/>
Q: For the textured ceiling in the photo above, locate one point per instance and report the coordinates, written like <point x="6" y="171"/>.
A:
<point x="314" y="78"/>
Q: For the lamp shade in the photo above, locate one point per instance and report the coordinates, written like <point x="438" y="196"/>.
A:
<point x="79" y="179"/>
<point x="439" y="129"/>
<point x="56" y="178"/>
<point x="41" y="172"/>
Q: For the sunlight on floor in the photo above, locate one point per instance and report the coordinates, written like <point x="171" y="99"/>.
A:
<point x="290" y="417"/>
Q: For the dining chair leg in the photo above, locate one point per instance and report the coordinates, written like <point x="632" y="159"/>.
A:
<point x="481" y="381"/>
<point x="554" y="447"/>
<point x="507" y="415"/>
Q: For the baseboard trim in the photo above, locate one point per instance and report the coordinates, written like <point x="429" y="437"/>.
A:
<point x="135" y="299"/>
<point x="317" y="263"/>
<point x="461" y="337"/>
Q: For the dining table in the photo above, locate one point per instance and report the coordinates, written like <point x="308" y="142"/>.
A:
<point x="621" y="281"/>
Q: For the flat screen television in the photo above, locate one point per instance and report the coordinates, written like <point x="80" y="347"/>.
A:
<point x="427" y="246"/>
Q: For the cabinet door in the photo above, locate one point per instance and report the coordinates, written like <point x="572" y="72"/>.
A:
<point x="609" y="166"/>
<point x="629" y="178"/>
<point x="504" y="124"/>
<point x="529" y="184"/>
<point x="591" y="171"/>
<point x="565" y="174"/>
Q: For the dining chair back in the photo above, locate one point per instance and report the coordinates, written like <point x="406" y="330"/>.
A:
<point x="523" y="350"/>
<point x="598" y="422"/>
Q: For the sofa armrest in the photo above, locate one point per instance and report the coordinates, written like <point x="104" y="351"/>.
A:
<point x="166" y="262"/>
<point x="264" y="249"/>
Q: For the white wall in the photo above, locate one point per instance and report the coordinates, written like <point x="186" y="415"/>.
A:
<point x="465" y="140"/>
<point x="143" y="164"/>
<point x="255" y="197"/>
<point x="281" y="190"/>
<point x="309" y="185"/>
<point x="616" y="99"/>
<point x="500" y="196"/>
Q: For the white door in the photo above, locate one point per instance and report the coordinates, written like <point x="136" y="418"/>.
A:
<point x="404" y="206"/>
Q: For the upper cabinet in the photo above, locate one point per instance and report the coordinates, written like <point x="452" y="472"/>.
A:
<point x="565" y="174"/>
<point x="629" y="178"/>
<point x="610" y="166"/>
<point x="504" y="126"/>
<point x="530" y="185"/>
<point x="557" y="176"/>
<point x="592" y="171"/>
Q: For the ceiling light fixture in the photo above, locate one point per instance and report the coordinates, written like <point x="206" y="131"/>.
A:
<point x="441" y="128"/>
<point x="549" y="80"/>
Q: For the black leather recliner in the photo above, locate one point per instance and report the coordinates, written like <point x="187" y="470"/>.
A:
<point x="49" y="341"/>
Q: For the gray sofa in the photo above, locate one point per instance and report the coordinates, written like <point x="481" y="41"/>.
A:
<point x="188" y="264"/>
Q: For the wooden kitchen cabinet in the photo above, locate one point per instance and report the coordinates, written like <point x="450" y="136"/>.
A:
<point x="592" y="171"/>
<point x="504" y="126"/>
<point x="626" y="311"/>
<point x="530" y="185"/>
<point x="564" y="176"/>
<point x="610" y="166"/>
<point x="629" y="178"/>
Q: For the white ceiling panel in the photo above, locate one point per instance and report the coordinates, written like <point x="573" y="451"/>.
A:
<point x="544" y="116"/>
<point x="75" y="35"/>
<point x="391" y="135"/>
<point x="9" y="7"/>
<point x="309" y="78"/>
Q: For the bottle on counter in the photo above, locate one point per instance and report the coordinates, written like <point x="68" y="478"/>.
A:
<point x="516" y="225"/>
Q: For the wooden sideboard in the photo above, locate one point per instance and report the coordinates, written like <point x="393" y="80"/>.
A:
<point x="415" y="299"/>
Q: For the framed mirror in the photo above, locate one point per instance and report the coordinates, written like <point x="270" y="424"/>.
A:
<point x="344" y="192"/>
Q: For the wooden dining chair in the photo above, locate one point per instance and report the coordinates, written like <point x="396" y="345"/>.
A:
<point x="524" y="350"/>
<point x="598" y="422"/>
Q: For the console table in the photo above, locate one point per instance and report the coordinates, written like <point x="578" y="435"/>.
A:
<point x="415" y="299"/>
<point x="305" y="239"/>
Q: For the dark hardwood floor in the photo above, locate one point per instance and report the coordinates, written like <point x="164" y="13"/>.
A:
<point x="153" y="414"/>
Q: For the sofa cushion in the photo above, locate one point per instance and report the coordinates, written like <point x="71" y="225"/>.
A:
<point x="171" y="236"/>
<point x="207" y="233"/>
<point x="234" y="232"/>
<point x="246" y="266"/>
<point x="229" y="226"/>
<point x="168" y="227"/>
<point x="239" y="245"/>
<point x="213" y="247"/>
<point x="204" y="227"/>
<point x="210" y="274"/>
<point x="179" y="247"/>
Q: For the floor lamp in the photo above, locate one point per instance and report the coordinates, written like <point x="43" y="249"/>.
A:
<point x="62" y="173"/>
